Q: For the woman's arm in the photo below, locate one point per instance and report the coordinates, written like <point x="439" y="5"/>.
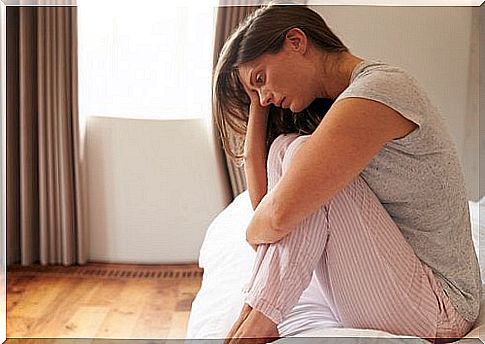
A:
<point x="255" y="149"/>
<point x="350" y="135"/>
<point x="255" y="154"/>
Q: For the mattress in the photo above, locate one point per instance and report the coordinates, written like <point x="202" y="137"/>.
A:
<point x="227" y="262"/>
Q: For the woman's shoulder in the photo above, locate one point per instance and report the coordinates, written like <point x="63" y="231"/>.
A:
<point x="391" y="85"/>
<point x="383" y="76"/>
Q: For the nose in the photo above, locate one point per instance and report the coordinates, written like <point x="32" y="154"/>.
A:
<point x="265" y="98"/>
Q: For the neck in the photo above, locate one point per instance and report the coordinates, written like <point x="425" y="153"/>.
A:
<point x="336" y="70"/>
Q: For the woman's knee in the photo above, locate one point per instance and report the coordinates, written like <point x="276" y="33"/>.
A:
<point x="280" y="145"/>
<point x="294" y="146"/>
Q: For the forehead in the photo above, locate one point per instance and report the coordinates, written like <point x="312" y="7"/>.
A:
<point x="266" y="61"/>
<point x="245" y="69"/>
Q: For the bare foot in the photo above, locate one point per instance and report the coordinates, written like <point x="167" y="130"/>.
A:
<point x="252" y="327"/>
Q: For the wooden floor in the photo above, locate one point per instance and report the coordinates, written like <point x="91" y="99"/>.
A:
<point x="100" y="301"/>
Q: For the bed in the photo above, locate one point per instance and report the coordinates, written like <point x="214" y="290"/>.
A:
<point x="227" y="262"/>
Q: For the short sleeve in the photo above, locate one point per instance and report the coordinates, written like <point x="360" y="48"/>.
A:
<point x="394" y="88"/>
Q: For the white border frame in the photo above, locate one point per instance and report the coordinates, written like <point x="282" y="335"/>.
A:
<point x="405" y="3"/>
<point x="3" y="89"/>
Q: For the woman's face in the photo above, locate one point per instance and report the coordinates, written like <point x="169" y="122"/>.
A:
<point x="285" y="79"/>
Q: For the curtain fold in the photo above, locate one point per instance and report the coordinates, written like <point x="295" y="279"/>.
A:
<point x="227" y="19"/>
<point x="45" y="185"/>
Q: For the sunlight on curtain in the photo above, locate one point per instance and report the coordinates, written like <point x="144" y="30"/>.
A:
<point x="145" y="59"/>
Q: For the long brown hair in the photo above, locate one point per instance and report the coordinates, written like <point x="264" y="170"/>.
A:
<point x="262" y="32"/>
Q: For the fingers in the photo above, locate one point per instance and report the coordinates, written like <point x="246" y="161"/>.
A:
<point x="254" y="247"/>
<point x="255" y="329"/>
<point x="246" y="310"/>
<point x="241" y="337"/>
<point x="253" y="96"/>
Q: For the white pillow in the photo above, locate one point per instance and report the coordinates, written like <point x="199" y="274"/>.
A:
<point x="227" y="262"/>
<point x="225" y="239"/>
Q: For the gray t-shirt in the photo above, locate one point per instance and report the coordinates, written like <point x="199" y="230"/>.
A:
<point x="420" y="183"/>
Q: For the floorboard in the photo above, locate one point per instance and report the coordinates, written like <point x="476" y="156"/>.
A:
<point x="100" y="301"/>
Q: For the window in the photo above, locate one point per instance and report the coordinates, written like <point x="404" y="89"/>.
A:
<point x="145" y="59"/>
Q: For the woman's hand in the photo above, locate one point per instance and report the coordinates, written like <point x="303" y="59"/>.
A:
<point x="252" y="324"/>
<point x="256" y="107"/>
<point x="261" y="228"/>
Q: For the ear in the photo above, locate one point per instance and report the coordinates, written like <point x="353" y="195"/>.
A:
<point x="296" y="40"/>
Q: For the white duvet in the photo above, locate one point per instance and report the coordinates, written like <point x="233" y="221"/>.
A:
<point x="227" y="261"/>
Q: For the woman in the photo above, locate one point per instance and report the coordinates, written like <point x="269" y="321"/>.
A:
<point x="352" y="175"/>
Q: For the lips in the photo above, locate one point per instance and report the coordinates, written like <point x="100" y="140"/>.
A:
<point x="281" y="103"/>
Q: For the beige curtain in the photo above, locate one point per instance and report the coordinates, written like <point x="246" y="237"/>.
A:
<point x="227" y="18"/>
<point x="45" y="208"/>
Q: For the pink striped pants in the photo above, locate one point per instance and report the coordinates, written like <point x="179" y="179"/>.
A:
<point x="364" y="266"/>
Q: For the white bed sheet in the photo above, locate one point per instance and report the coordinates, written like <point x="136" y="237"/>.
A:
<point x="227" y="262"/>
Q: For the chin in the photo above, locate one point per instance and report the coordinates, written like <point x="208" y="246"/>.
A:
<point x="300" y="106"/>
<point x="296" y="108"/>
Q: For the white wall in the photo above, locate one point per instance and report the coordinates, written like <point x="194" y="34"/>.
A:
<point x="154" y="187"/>
<point x="438" y="46"/>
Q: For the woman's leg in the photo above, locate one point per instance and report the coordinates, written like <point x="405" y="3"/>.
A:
<point x="275" y="266"/>
<point x="312" y="301"/>
<point x="366" y="268"/>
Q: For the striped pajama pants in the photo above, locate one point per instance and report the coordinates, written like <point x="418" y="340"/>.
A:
<point x="367" y="271"/>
